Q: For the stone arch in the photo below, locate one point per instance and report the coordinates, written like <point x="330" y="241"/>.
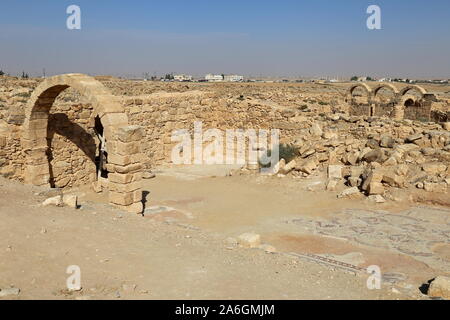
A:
<point x="122" y="141"/>
<point x="358" y="108"/>
<point x="380" y="107"/>
<point x="416" y="88"/>
<point x="364" y="86"/>
<point x="388" y="86"/>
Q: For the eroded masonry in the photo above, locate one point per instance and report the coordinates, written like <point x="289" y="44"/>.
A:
<point x="72" y="130"/>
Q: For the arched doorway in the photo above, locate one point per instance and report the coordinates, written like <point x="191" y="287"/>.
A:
<point x="359" y="97"/>
<point x="119" y="139"/>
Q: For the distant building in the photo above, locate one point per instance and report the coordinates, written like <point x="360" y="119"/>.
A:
<point x="214" y="77"/>
<point x="234" y="78"/>
<point x="182" y="77"/>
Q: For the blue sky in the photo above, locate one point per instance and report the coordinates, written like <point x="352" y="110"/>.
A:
<point x="251" y="37"/>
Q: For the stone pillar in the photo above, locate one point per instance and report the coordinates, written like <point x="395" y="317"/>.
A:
<point x="125" y="169"/>
<point x="399" y="112"/>
<point x="34" y="146"/>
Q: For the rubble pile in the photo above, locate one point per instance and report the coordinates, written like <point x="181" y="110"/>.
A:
<point x="371" y="155"/>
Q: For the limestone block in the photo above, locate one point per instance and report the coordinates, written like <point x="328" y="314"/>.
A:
<point x="128" y="169"/>
<point x="125" y="188"/>
<point x="127" y="148"/>
<point x="130" y="133"/>
<point x="335" y="172"/>
<point x="440" y="287"/>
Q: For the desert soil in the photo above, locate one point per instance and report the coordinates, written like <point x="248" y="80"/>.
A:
<point x="181" y="247"/>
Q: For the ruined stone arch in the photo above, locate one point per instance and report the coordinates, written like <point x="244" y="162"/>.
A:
<point x="416" y="88"/>
<point x="357" y="108"/>
<point x="364" y="86"/>
<point x="388" y="86"/>
<point x="122" y="140"/>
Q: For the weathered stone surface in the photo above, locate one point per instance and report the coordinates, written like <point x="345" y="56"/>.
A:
<point x="435" y="187"/>
<point x="373" y="156"/>
<point x="440" y="287"/>
<point x="70" y="200"/>
<point x="53" y="201"/>
<point x="375" y="188"/>
<point x="308" y="166"/>
<point x="288" y="167"/>
<point x="387" y="142"/>
<point x="434" y="168"/>
<point x="414" y="137"/>
<point x="349" y="192"/>
<point x="334" y="172"/>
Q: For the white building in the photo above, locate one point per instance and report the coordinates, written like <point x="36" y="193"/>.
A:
<point x="214" y="77"/>
<point x="182" y="77"/>
<point x="234" y="78"/>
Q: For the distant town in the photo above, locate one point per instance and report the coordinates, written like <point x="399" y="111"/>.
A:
<point x="239" y="78"/>
<point x="170" y="77"/>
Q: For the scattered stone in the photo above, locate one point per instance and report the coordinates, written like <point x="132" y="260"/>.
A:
<point x="435" y="187"/>
<point x="373" y="156"/>
<point x="148" y="175"/>
<point x="387" y="142"/>
<point x="316" y="130"/>
<point x="335" y="172"/>
<point x="288" y="167"/>
<point x="53" y="201"/>
<point x="70" y="200"/>
<point x="440" y="287"/>
<point x="393" y="180"/>
<point x="249" y="240"/>
<point x="308" y="166"/>
<point x="377" y="198"/>
<point x="434" y="168"/>
<point x="348" y="192"/>
<point x="414" y="137"/>
<point x="446" y="126"/>
<point x="332" y="185"/>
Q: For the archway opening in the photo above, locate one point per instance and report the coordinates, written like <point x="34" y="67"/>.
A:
<point x="409" y="103"/>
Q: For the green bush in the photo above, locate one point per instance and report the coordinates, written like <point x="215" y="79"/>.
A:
<point x="287" y="152"/>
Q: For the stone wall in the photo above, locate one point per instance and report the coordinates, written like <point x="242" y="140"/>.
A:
<point x="74" y="146"/>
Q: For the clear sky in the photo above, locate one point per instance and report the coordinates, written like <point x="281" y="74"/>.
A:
<point x="289" y="38"/>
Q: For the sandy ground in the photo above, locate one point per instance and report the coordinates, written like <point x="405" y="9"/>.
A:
<point x="179" y="248"/>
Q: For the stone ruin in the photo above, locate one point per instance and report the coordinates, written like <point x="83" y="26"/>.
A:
<point x="401" y="104"/>
<point x="73" y="130"/>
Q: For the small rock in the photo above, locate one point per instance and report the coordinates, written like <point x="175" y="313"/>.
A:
<point x="348" y="192"/>
<point x="148" y="175"/>
<point x="70" y="200"/>
<point x="53" y="201"/>
<point x="377" y="198"/>
<point x="249" y="240"/>
<point x="335" y="172"/>
<point x="332" y="185"/>
<point x="440" y="287"/>
<point x="387" y="142"/>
